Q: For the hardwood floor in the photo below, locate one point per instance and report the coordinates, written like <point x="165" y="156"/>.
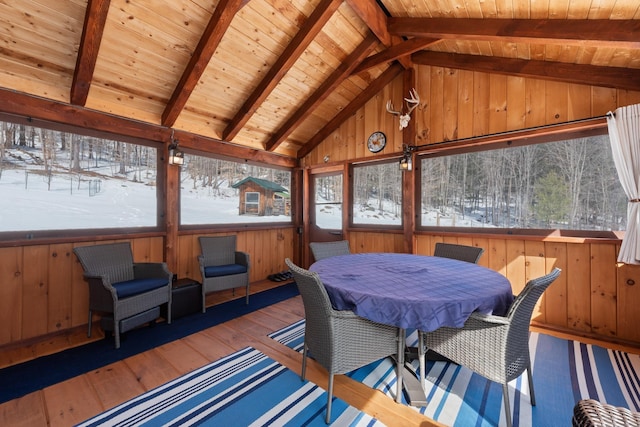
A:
<point x="75" y="400"/>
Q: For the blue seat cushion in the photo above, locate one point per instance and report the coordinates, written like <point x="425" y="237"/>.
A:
<point x="138" y="286"/>
<point x="224" y="270"/>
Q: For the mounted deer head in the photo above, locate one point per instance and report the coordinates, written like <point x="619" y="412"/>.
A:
<point x="412" y="103"/>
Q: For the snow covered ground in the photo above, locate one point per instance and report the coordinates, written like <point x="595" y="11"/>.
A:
<point x="29" y="202"/>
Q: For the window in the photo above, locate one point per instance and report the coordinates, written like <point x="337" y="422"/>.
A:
<point x="569" y="185"/>
<point x="54" y="180"/>
<point x="251" y="203"/>
<point x="216" y="191"/>
<point x="377" y="194"/>
<point x="327" y="214"/>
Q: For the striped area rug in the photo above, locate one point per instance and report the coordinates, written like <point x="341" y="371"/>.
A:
<point x="246" y="388"/>
<point x="564" y="372"/>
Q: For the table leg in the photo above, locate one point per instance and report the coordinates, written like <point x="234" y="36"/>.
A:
<point x="421" y="358"/>
<point x="407" y="377"/>
<point x="402" y="338"/>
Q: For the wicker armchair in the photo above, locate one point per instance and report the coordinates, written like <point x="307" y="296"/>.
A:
<point x="222" y="266"/>
<point x="340" y="341"/>
<point x="460" y="252"/>
<point x="322" y="250"/>
<point x="493" y="346"/>
<point x="591" y="413"/>
<point x="131" y="293"/>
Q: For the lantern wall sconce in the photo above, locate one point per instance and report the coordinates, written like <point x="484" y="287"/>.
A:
<point x="176" y="157"/>
<point x="406" y="161"/>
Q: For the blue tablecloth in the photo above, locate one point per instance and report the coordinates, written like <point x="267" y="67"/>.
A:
<point x="413" y="291"/>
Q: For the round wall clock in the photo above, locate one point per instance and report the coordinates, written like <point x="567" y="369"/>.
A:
<point x="376" y="142"/>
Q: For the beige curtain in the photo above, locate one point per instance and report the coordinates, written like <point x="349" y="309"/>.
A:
<point x="624" y="134"/>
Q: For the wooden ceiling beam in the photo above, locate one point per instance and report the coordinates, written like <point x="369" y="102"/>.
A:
<point x="395" y="52"/>
<point x="20" y="104"/>
<point x="309" y="30"/>
<point x="582" y="32"/>
<point x="376" y="86"/>
<point x="614" y="77"/>
<point x="213" y="33"/>
<point x="344" y="70"/>
<point x="375" y="18"/>
<point x="94" y="21"/>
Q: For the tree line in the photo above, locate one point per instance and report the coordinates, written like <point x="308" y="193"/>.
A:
<point x="566" y="185"/>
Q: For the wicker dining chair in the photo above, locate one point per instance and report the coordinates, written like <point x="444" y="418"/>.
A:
<point x="322" y="250"/>
<point x="129" y="292"/>
<point x="340" y="341"/>
<point x="460" y="252"/>
<point x="470" y="254"/>
<point x="222" y="266"/>
<point x="591" y="413"/>
<point x="495" y="347"/>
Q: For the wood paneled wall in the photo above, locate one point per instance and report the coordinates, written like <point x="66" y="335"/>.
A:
<point x="457" y="104"/>
<point x="42" y="290"/>
<point x="594" y="295"/>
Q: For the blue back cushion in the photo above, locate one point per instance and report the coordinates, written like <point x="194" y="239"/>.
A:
<point x="224" y="270"/>
<point x="137" y="286"/>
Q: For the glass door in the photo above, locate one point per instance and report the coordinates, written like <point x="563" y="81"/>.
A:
<point x="326" y="210"/>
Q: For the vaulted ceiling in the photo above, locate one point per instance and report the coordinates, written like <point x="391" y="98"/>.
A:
<point x="281" y="75"/>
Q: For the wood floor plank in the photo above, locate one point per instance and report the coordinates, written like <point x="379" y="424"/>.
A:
<point x="208" y="346"/>
<point x="183" y="356"/>
<point x="26" y="411"/>
<point x="71" y="402"/>
<point x="151" y="369"/>
<point x="114" y="384"/>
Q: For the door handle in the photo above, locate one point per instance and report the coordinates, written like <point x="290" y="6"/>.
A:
<point x="336" y="233"/>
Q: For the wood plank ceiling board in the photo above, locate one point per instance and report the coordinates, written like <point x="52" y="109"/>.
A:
<point x="149" y="47"/>
<point x="245" y="54"/>
<point x="142" y="56"/>
<point x="308" y="72"/>
<point x="39" y="45"/>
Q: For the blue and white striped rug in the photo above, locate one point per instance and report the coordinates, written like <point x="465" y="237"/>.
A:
<point x="246" y="388"/>
<point x="564" y="372"/>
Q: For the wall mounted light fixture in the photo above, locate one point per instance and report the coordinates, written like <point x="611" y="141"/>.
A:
<point x="176" y="157"/>
<point x="406" y="161"/>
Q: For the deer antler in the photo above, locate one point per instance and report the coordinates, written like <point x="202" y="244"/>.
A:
<point x="412" y="102"/>
<point x="391" y="110"/>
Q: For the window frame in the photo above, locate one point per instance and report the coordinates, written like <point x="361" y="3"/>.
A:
<point x="64" y="234"/>
<point x="236" y="225"/>
<point x="351" y="197"/>
<point x="551" y="133"/>
<point x="251" y="203"/>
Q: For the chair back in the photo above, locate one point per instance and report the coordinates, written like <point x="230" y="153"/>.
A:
<point x="322" y="250"/>
<point x="218" y="250"/>
<point x="520" y="312"/>
<point x="470" y="254"/>
<point x="113" y="260"/>
<point x="317" y="312"/>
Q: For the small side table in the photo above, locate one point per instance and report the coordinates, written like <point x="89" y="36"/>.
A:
<point x="186" y="298"/>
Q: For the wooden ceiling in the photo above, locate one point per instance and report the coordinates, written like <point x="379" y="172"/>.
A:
<point x="280" y="75"/>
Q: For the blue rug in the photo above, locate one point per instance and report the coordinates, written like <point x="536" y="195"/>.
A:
<point x="564" y="372"/>
<point x="27" y="377"/>
<point x="243" y="389"/>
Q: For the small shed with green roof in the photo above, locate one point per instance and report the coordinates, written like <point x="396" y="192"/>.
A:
<point x="262" y="197"/>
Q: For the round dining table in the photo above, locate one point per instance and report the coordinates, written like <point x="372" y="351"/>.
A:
<point x="412" y="291"/>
